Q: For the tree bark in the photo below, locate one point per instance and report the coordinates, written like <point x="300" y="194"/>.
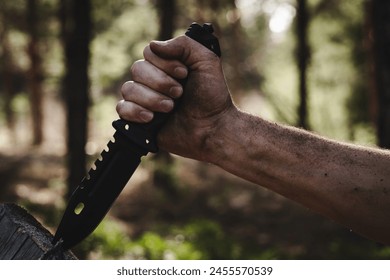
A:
<point x="7" y="77"/>
<point x="303" y="53"/>
<point x="35" y="72"/>
<point x="76" y="32"/>
<point x="24" y="238"/>
<point x="167" y="12"/>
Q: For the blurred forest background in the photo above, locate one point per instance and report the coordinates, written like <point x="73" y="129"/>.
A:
<point x="318" y="64"/>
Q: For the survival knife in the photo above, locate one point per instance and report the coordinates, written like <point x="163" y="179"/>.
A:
<point x="96" y="193"/>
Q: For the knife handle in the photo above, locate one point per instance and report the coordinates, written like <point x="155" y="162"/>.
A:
<point x="145" y="135"/>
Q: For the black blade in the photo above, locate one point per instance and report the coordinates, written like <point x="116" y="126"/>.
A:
<point x="98" y="190"/>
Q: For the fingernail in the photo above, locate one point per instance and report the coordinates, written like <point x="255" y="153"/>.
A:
<point x="176" y="92"/>
<point x="166" y="105"/>
<point x="146" y="116"/>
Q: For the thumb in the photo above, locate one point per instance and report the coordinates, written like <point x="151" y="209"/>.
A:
<point x="184" y="49"/>
<point x="175" y="48"/>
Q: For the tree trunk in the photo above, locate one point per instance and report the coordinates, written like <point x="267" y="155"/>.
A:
<point x="381" y="28"/>
<point x="35" y="73"/>
<point x="371" y="56"/>
<point x="24" y="238"/>
<point x="76" y="29"/>
<point x="167" y="12"/>
<point x="303" y="53"/>
<point x="7" y="77"/>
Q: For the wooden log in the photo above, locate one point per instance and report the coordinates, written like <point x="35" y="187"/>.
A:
<point x="22" y="237"/>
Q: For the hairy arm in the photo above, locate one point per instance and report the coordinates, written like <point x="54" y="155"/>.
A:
<point x="347" y="183"/>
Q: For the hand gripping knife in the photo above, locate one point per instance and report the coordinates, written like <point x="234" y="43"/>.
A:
<point x="94" y="196"/>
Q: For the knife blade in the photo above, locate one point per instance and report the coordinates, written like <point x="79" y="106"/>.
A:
<point x="96" y="193"/>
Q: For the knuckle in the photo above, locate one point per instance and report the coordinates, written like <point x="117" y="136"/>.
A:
<point x="126" y="110"/>
<point x="127" y="88"/>
<point x="146" y="51"/>
<point x="136" y="67"/>
<point x="119" y="107"/>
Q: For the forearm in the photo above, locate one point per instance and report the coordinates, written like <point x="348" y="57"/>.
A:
<point x="347" y="183"/>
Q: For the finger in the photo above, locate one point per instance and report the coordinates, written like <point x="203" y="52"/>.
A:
<point x="146" y="97"/>
<point x="145" y="73"/>
<point x="184" y="49"/>
<point x="133" y="112"/>
<point x="173" y="68"/>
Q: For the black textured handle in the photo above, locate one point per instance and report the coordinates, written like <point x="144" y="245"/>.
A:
<point x="145" y="134"/>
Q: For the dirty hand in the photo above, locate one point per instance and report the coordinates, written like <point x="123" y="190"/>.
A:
<point x="204" y="105"/>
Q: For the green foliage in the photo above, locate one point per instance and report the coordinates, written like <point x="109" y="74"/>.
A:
<point x="281" y="81"/>
<point x="199" y="239"/>
<point x="109" y="240"/>
<point x="105" y="12"/>
<point x="337" y="77"/>
<point x="20" y="104"/>
<point x="120" y="44"/>
<point x="156" y="247"/>
<point x="210" y="239"/>
<point x="103" y="113"/>
<point x="18" y="41"/>
<point x="336" y="73"/>
<point x="339" y="249"/>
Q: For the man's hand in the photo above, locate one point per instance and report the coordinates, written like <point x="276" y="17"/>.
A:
<point x="203" y="103"/>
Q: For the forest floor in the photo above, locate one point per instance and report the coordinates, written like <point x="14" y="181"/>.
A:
<point x="248" y="214"/>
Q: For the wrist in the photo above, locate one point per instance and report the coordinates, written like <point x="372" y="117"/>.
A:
<point x="223" y="141"/>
